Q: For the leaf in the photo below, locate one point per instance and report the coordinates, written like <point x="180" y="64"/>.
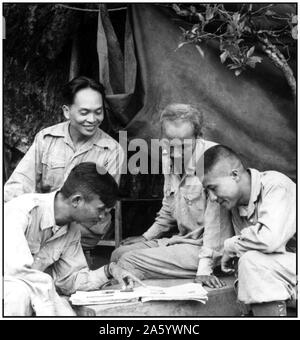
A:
<point x="294" y="19"/>
<point x="200" y="50"/>
<point x="195" y="28"/>
<point x="209" y="13"/>
<point x="295" y="32"/>
<point x="179" y="11"/>
<point x="183" y="43"/>
<point x="250" y="51"/>
<point x="176" y="8"/>
<point x="233" y="66"/>
<point x="200" y="17"/>
<point x="224" y="56"/>
<point x="193" y="9"/>
<point x="236" y="18"/>
<point x="256" y="59"/>
<point x="269" y="12"/>
<point x="247" y="29"/>
<point x="238" y="41"/>
<point x="184" y="13"/>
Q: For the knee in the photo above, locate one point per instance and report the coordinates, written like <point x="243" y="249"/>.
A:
<point x="17" y="300"/>
<point x="127" y="258"/>
<point x="118" y="253"/>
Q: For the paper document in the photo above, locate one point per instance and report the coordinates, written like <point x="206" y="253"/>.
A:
<point x="188" y="291"/>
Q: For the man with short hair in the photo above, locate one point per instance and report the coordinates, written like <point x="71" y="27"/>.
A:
<point x="58" y="148"/>
<point x="197" y="226"/>
<point x="42" y="250"/>
<point x="263" y="211"/>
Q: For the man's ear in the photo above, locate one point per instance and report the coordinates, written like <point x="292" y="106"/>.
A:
<point x="235" y="174"/>
<point x="66" y="111"/>
<point x="76" y="200"/>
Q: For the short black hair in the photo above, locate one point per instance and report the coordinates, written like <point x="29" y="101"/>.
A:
<point x="70" y="89"/>
<point x="85" y="178"/>
<point x="217" y="153"/>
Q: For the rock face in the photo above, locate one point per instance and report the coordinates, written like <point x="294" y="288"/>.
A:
<point x="36" y="64"/>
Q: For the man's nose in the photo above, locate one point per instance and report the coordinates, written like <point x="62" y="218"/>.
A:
<point x="212" y="196"/>
<point x="104" y="213"/>
<point x="91" y="118"/>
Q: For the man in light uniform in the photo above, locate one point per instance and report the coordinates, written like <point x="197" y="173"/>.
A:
<point x="42" y="250"/>
<point x="263" y="211"/>
<point x="198" y="227"/>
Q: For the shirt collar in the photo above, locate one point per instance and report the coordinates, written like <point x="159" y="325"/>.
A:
<point x="194" y="161"/>
<point x="255" y="192"/>
<point x="48" y="217"/>
<point x="100" y="138"/>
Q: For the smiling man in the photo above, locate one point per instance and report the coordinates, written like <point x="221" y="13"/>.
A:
<point x="42" y="250"/>
<point x="58" y="148"/>
<point x="263" y="211"/>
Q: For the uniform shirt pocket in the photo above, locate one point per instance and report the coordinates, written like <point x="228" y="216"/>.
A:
<point x="53" y="170"/>
<point x="195" y="200"/>
<point x="46" y="256"/>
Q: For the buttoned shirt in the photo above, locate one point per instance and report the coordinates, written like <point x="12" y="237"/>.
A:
<point x="52" y="156"/>
<point x="188" y="214"/>
<point x="268" y="222"/>
<point x="34" y="245"/>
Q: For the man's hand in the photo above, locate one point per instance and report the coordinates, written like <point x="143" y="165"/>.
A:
<point x="132" y="239"/>
<point x="227" y="264"/>
<point x="125" y="278"/>
<point x="210" y="281"/>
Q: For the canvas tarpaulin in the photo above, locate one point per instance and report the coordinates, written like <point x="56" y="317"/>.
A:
<point x="254" y="113"/>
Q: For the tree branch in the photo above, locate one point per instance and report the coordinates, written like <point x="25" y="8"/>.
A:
<point x="280" y="61"/>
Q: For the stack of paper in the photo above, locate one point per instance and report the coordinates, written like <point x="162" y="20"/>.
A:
<point x="100" y="297"/>
<point x="189" y="291"/>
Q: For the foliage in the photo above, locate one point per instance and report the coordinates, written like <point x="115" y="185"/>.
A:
<point x="36" y="63"/>
<point x="38" y="30"/>
<point x="239" y="31"/>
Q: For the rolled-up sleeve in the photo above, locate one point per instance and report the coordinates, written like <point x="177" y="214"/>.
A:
<point x="71" y="272"/>
<point x="276" y="224"/>
<point x="217" y="228"/>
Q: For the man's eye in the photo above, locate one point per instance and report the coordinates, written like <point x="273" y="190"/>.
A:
<point x="84" y="112"/>
<point x="99" y="112"/>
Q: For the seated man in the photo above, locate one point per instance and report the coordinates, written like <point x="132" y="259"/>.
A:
<point x="263" y="211"/>
<point x="42" y="249"/>
<point x="199" y="227"/>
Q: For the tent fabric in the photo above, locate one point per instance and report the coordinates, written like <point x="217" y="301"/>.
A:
<point x="117" y="73"/>
<point x="254" y="113"/>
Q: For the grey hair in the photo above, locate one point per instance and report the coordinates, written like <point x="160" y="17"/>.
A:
<point x="188" y="112"/>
